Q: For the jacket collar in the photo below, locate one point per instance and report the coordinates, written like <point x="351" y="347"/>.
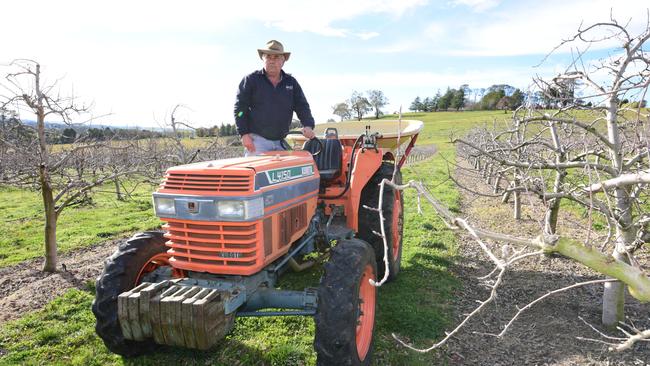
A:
<point x="262" y="72"/>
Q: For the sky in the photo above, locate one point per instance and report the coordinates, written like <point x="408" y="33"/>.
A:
<point x="136" y="60"/>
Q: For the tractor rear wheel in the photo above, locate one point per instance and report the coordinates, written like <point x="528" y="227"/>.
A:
<point x="346" y="306"/>
<point x="393" y="210"/>
<point x="125" y="269"/>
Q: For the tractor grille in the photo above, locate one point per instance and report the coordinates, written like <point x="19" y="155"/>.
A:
<point x="216" y="248"/>
<point x="207" y="182"/>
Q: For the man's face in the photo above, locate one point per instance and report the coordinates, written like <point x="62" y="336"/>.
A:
<point x="273" y="64"/>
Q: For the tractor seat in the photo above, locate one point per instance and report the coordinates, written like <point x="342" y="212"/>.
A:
<point x="329" y="159"/>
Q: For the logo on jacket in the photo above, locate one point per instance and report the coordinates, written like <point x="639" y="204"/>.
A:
<point x="289" y="87"/>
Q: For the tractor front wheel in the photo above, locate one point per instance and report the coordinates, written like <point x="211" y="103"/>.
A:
<point x="345" y="317"/>
<point x="125" y="269"/>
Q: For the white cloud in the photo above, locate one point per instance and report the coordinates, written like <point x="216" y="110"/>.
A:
<point x="137" y="59"/>
<point x="536" y="28"/>
<point x="520" y="28"/>
<point x="398" y="47"/>
<point x="367" y="35"/>
<point x="477" y="5"/>
<point x="435" y="30"/>
<point x="318" y="17"/>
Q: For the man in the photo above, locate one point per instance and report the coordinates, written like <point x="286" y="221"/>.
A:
<point x="265" y="103"/>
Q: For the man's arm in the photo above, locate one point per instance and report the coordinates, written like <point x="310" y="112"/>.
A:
<point x="301" y="107"/>
<point x="242" y="105"/>
<point x="242" y="117"/>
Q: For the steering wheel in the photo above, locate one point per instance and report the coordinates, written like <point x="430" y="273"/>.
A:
<point x="318" y="141"/>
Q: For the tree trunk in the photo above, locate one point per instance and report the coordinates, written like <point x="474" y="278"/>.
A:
<point x="517" y="206"/>
<point x="50" y="222"/>
<point x="517" y="199"/>
<point x="118" y="192"/>
<point x="550" y="219"/>
<point x="506" y="195"/>
<point x="553" y="210"/>
<point x="44" y="176"/>
<point x="614" y="293"/>
<point x="497" y="182"/>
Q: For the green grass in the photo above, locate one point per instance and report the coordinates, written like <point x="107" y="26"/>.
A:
<point x="415" y="306"/>
<point x="440" y="126"/>
<point x="22" y="210"/>
<point x="23" y="222"/>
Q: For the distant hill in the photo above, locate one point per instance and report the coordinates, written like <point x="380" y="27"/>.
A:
<point x="85" y="126"/>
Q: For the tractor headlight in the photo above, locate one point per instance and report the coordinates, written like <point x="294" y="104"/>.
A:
<point x="231" y="209"/>
<point x="164" y="206"/>
<point x="242" y="210"/>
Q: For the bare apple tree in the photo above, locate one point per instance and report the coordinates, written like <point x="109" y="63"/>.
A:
<point x="593" y="151"/>
<point x="64" y="175"/>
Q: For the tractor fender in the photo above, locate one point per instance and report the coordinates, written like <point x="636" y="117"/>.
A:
<point x="366" y="163"/>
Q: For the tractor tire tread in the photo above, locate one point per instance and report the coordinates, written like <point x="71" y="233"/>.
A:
<point x="335" y="338"/>
<point x="369" y="220"/>
<point x="119" y="275"/>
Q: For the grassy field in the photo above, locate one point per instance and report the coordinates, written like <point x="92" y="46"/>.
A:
<point x="77" y="227"/>
<point x="107" y="218"/>
<point x="415" y="306"/>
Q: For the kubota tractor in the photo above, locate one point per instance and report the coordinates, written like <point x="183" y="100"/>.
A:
<point x="233" y="226"/>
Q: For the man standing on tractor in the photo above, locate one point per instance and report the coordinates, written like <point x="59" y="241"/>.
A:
<point x="265" y="103"/>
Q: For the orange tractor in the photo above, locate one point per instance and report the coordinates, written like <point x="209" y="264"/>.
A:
<point x="233" y="226"/>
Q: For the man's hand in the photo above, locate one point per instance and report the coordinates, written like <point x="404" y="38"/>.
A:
<point x="247" y="141"/>
<point x="308" y="132"/>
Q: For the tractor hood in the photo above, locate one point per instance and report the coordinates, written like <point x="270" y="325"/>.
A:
<point x="269" y="160"/>
<point x="238" y="175"/>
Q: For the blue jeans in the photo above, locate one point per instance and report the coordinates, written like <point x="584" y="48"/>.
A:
<point x="264" y="145"/>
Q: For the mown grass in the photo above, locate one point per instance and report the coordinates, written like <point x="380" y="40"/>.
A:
<point x="23" y="222"/>
<point x="415" y="306"/>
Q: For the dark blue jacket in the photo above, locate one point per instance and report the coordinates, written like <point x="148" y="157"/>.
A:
<point x="266" y="110"/>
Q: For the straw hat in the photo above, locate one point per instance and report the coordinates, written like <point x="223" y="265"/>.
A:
<point x="273" y="47"/>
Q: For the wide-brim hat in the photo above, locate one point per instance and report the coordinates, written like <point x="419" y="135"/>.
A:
<point x="273" y="47"/>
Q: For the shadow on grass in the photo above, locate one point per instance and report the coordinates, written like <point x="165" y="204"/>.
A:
<point x="227" y="352"/>
<point x="416" y="304"/>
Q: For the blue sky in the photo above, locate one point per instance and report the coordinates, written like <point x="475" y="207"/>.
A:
<point x="137" y="59"/>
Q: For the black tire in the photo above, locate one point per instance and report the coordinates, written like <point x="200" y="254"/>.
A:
<point x="369" y="220"/>
<point x="339" y="305"/>
<point x="120" y="273"/>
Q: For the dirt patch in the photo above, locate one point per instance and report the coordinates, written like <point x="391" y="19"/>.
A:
<point x="547" y="333"/>
<point x="25" y="288"/>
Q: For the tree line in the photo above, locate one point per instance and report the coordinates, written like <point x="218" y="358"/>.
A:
<point x="498" y="96"/>
<point x="68" y="134"/>
<point x="558" y="94"/>
<point x="214" y="131"/>
<point x="14" y="128"/>
<point x="360" y="104"/>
